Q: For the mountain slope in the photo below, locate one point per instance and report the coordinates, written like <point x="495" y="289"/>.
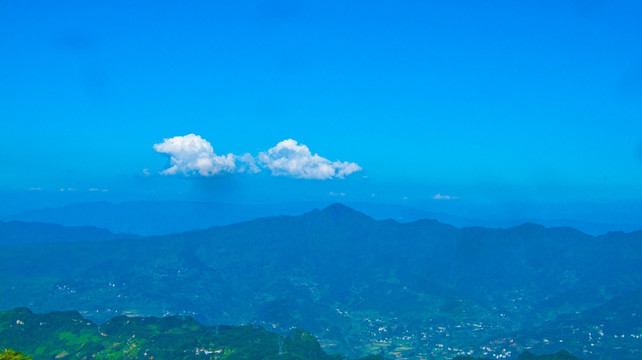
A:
<point x="613" y="327"/>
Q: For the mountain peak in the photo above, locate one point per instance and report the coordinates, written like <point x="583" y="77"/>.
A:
<point x="338" y="207"/>
<point x="340" y="212"/>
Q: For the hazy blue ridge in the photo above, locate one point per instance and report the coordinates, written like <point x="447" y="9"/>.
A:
<point x="18" y="232"/>
<point x="165" y="217"/>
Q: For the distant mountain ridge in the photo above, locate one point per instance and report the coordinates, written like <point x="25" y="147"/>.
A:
<point x="148" y="217"/>
<point x="165" y="217"/>
<point x="358" y="284"/>
<point x="18" y="232"/>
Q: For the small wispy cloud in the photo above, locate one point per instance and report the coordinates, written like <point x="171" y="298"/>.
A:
<point x="192" y="154"/>
<point x="98" y="190"/>
<point x="444" y="197"/>
<point x="35" y="188"/>
<point x="288" y="158"/>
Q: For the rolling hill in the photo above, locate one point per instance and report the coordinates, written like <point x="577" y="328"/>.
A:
<point x="67" y="335"/>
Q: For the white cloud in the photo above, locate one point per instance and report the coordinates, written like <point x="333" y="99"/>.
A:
<point x="288" y="158"/>
<point x="247" y="164"/>
<point x="444" y="197"/>
<point x="192" y="154"/>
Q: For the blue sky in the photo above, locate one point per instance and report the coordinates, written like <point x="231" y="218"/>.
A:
<point x="495" y="102"/>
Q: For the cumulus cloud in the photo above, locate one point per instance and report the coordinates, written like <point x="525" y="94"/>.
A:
<point x="192" y="154"/>
<point x="288" y="158"/>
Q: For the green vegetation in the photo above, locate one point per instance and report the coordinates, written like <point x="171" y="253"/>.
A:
<point x="13" y="355"/>
<point x="67" y="335"/>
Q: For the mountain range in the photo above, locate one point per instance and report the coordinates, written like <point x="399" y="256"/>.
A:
<point x="418" y="289"/>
